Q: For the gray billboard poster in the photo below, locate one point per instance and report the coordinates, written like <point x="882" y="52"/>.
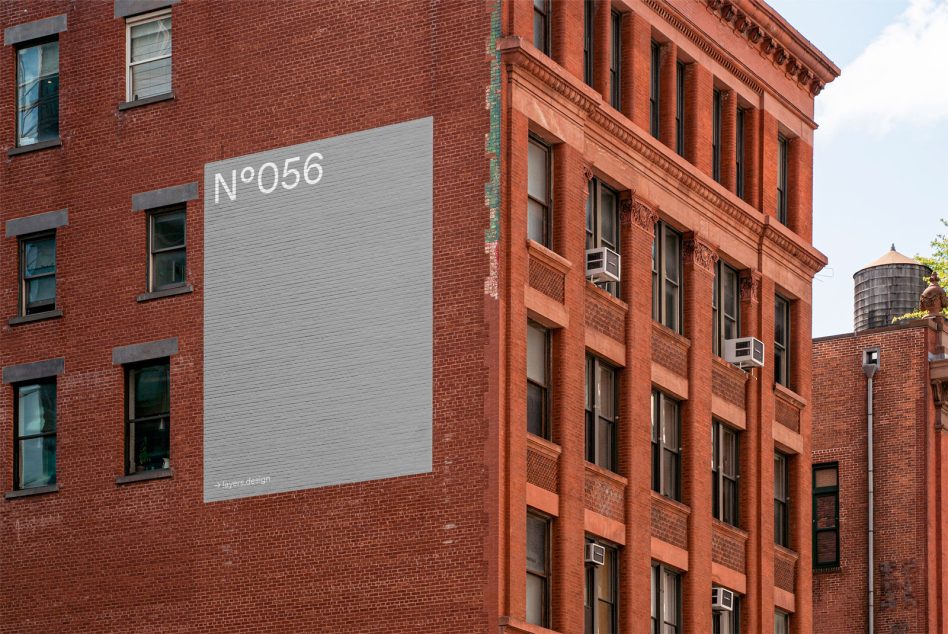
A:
<point x="318" y="313"/>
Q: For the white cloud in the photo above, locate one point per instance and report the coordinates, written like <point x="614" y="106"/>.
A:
<point x="901" y="77"/>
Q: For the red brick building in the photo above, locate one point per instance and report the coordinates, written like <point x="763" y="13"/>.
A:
<point x="567" y="414"/>
<point x="906" y="363"/>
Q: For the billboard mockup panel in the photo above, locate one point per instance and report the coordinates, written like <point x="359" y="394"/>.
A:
<point x="318" y="313"/>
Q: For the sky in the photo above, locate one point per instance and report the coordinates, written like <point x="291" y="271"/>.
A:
<point x="880" y="151"/>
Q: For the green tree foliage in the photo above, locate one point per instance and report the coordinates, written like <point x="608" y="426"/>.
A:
<point x="938" y="262"/>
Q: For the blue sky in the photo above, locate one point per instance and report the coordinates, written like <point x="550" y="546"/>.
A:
<point x="879" y="156"/>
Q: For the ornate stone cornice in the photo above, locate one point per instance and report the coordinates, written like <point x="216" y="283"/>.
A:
<point x="587" y="172"/>
<point x="636" y="212"/>
<point x="812" y="259"/>
<point x="750" y="286"/>
<point x="697" y="250"/>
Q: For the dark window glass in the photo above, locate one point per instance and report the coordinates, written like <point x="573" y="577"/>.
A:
<point x="601" y="406"/>
<point x="538" y="570"/>
<point x="666" y="277"/>
<point x="602" y="223"/>
<point x="589" y="26"/>
<point x="615" y="61"/>
<point x="37" y="93"/>
<point x="781" y="341"/>
<point x="538" y="380"/>
<point x="781" y="622"/>
<point x="739" y="152"/>
<point x="666" y="445"/>
<point x="541" y="25"/>
<point x="167" y="260"/>
<point x="601" y="593"/>
<point x="782" y="180"/>
<point x="149" y="408"/>
<point x="724" y="471"/>
<point x="727" y="622"/>
<point x="539" y="171"/>
<point x="680" y="109"/>
<point x="781" y="500"/>
<point x="725" y="306"/>
<point x="825" y="515"/>
<point x="655" y="88"/>
<point x="666" y="600"/>
<point x="34" y="438"/>
<point x="716" y="136"/>
<point x="37" y="273"/>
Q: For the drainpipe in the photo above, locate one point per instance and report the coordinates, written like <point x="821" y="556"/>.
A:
<point x="870" y="370"/>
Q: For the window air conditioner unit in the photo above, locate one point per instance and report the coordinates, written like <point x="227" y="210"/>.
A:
<point x="595" y="554"/>
<point x="746" y="352"/>
<point x="722" y="599"/>
<point x="602" y="265"/>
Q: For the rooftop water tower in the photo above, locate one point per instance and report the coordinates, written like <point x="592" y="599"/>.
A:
<point x="887" y="288"/>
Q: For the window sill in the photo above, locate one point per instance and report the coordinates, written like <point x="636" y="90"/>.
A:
<point x="168" y="292"/>
<point x="34" y="147"/>
<point x="127" y="105"/>
<point x="154" y="474"/>
<point x="29" y="319"/>
<point x="22" y="493"/>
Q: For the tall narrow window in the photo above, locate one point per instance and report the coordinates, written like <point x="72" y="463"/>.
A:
<point x="782" y="179"/>
<point x="825" y="515"/>
<point x="37" y="273"/>
<point x="539" y="169"/>
<point x="589" y="26"/>
<point x="149" y="416"/>
<point x="716" y="135"/>
<point x="666" y="446"/>
<point x="601" y="595"/>
<point x="601" y="406"/>
<point x="602" y="223"/>
<point x="538" y="380"/>
<point x="739" y="153"/>
<point x="666" y="600"/>
<point x="680" y="109"/>
<point x="781" y="341"/>
<point x="724" y="458"/>
<point x="781" y="500"/>
<point x="666" y="277"/>
<point x="725" y="306"/>
<point x="781" y="622"/>
<point x="37" y="93"/>
<point x="34" y="438"/>
<point x="167" y="253"/>
<point x="655" y="88"/>
<point x="148" y="40"/>
<point x="541" y="25"/>
<point x="615" y="61"/>
<point x="538" y="570"/>
<point x="727" y="621"/>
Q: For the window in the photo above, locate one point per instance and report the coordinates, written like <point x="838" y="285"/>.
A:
<point x="666" y="447"/>
<point x="739" y="153"/>
<point x="781" y="622"/>
<point x="782" y="179"/>
<point x="589" y="26"/>
<point x="615" y="61"/>
<point x="601" y="596"/>
<point x="602" y="223"/>
<point x="666" y="277"/>
<point x="724" y="461"/>
<point x="538" y="380"/>
<point x="34" y="442"/>
<point x="37" y="273"/>
<point x="538" y="570"/>
<point x="655" y="89"/>
<point x="539" y="169"/>
<point x="825" y="515"/>
<point x="680" y="109"/>
<point x="601" y="416"/>
<point x="781" y="500"/>
<point x="167" y="261"/>
<point x="148" y="54"/>
<point x="541" y="25"/>
<point x="37" y="93"/>
<point x="147" y="390"/>
<point x="666" y="600"/>
<point x="727" y="622"/>
<point x="725" y="306"/>
<point x="716" y="135"/>
<point x="781" y="341"/>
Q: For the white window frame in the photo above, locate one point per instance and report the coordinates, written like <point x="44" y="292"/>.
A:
<point x="129" y="24"/>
